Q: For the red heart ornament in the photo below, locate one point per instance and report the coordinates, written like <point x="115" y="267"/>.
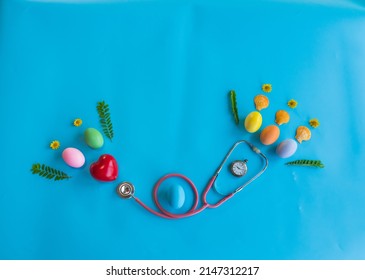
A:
<point x="105" y="169"/>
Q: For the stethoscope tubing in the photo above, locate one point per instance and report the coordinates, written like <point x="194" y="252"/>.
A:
<point x="193" y="210"/>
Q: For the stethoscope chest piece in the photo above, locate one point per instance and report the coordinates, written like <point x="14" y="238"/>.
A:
<point x="125" y="190"/>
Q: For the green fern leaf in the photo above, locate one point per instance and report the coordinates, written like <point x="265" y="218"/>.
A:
<point x="48" y="172"/>
<point x="105" y="121"/>
<point x="36" y="168"/>
<point x="234" y="106"/>
<point x="306" y="162"/>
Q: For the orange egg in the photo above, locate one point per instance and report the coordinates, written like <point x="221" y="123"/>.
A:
<point x="269" y="134"/>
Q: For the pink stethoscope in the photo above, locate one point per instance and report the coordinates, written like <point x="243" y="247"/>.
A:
<point x="126" y="189"/>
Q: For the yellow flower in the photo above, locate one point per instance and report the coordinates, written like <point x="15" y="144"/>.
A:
<point x="314" y="123"/>
<point x="292" y="103"/>
<point x="266" y="87"/>
<point x="55" y="145"/>
<point x="77" y="122"/>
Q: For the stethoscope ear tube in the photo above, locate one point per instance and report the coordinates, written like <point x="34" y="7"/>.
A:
<point x="266" y="164"/>
<point x="255" y="150"/>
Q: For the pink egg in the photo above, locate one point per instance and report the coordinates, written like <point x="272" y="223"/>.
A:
<point x="73" y="157"/>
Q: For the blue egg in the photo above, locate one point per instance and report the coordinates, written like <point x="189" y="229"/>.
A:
<point x="287" y="148"/>
<point x="176" y="196"/>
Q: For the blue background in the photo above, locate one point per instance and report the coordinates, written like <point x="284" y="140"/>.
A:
<point x="165" y="68"/>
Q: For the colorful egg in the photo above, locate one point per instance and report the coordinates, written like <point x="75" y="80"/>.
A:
<point x="253" y="122"/>
<point x="269" y="134"/>
<point x="73" y="157"/>
<point x="287" y="148"/>
<point x="176" y="196"/>
<point x="282" y="117"/>
<point x="261" y="102"/>
<point x="93" y="138"/>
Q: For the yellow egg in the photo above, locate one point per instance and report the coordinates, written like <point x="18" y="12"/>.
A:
<point x="303" y="134"/>
<point x="253" y="122"/>
<point x="281" y="117"/>
<point x="261" y="102"/>
<point x="269" y="134"/>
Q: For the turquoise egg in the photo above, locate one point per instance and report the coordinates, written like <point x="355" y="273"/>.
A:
<point x="93" y="138"/>
<point x="287" y="148"/>
<point x="176" y="196"/>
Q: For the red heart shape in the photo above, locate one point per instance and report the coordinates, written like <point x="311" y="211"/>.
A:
<point x="105" y="169"/>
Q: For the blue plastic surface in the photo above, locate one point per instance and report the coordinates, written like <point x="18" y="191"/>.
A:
<point x="165" y="68"/>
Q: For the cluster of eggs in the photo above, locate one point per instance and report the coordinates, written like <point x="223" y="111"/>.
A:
<point x="270" y="134"/>
<point x="74" y="157"/>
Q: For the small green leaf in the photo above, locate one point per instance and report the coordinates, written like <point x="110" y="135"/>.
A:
<point x="234" y="106"/>
<point x="48" y="172"/>
<point x="104" y="118"/>
<point x="306" y="162"/>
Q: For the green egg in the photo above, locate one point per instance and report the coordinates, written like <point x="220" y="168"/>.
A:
<point x="93" y="138"/>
